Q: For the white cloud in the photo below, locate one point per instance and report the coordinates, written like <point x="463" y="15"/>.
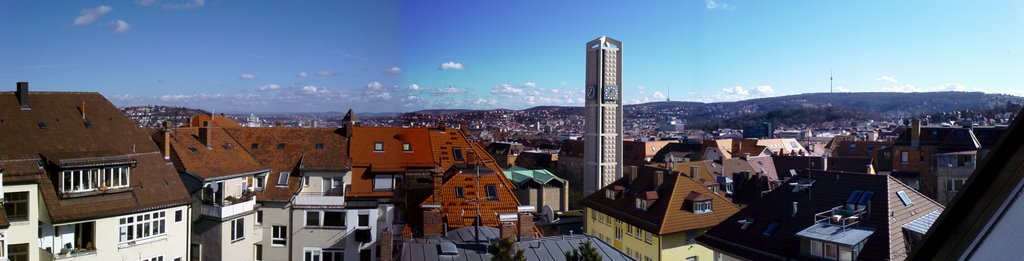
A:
<point x="764" y="90"/>
<point x="393" y="70"/>
<point x="89" y="15"/>
<point x="310" y="89"/>
<point x="489" y="102"/>
<point x="327" y="73"/>
<point x="186" y="5"/>
<point x="269" y="87"/>
<point x="302" y="75"/>
<point x="121" y="26"/>
<point x="449" y="66"/>
<point x="448" y="90"/>
<point x="375" y="91"/>
<point x="506" y="90"/>
<point x="415" y="87"/>
<point x="737" y="90"/>
<point x="146" y="2"/>
<point x="886" y="78"/>
<point x="247" y="76"/>
<point x="841" y="89"/>
<point x="530" y="85"/>
<point x="711" y="4"/>
<point x="902" y="88"/>
<point x="953" y="87"/>
<point x="658" y="96"/>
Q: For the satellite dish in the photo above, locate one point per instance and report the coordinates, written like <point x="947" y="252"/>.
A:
<point x="214" y="186"/>
<point x="547" y="213"/>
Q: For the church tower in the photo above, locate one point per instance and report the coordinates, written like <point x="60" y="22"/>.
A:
<point x="602" y="155"/>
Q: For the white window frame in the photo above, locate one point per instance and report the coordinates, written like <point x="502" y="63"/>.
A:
<point x="155" y="258"/>
<point x="816" y="248"/>
<point x="319" y="218"/>
<point x="406" y="147"/>
<point x="378" y="182"/>
<point x="238" y="229"/>
<point x="904" y="157"/>
<point x="259" y="182"/>
<point x="378" y="146"/>
<point x="316" y="253"/>
<point x="137" y="227"/>
<point x="278" y="233"/>
<point x="701" y="207"/>
<point x="283" y="176"/>
<point x="178" y="213"/>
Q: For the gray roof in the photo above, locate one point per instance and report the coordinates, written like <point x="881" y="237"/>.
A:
<point x="836" y="234"/>
<point x="922" y="224"/>
<point x="547" y="248"/>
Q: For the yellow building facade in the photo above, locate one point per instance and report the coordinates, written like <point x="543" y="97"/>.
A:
<point x="644" y="245"/>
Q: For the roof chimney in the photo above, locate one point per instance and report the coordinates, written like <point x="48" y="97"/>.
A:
<point x="915" y="133"/>
<point x="745" y="156"/>
<point x="796" y="207"/>
<point x="204" y="135"/>
<point x="695" y="172"/>
<point x="659" y="178"/>
<point x="166" y="142"/>
<point x="464" y="127"/>
<point x="23" y="95"/>
<point x="631" y="175"/>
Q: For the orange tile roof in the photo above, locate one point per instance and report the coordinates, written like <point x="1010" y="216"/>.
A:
<point x="393" y="159"/>
<point x="291" y="150"/>
<point x="460" y="212"/>
<point x="218" y="121"/>
<point x="225" y="156"/>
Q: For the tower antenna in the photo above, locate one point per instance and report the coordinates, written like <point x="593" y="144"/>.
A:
<point x="668" y="97"/>
<point x="830" y="90"/>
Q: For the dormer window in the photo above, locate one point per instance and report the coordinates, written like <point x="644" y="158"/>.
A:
<point x="701" y="207"/>
<point x="406" y="147"/>
<point x="86" y="180"/>
<point x="378" y="146"/>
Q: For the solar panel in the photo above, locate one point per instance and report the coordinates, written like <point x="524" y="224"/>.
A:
<point x="904" y="198"/>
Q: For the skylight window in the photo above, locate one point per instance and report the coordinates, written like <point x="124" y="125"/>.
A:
<point x="378" y="146"/>
<point x="457" y="153"/>
<point x="255" y="146"/>
<point x="492" y="192"/>
<point x="280" y="146"/>
<point x="282" y="180"/>
<point x="319" y="146"/>
<point x="903" y="197"/>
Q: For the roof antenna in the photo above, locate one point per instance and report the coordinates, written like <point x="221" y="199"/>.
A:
<point x="830" y="90"/>
<point x="668" y="97"/>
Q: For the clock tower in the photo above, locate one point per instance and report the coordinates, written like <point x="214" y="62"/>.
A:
<point x="602" y="155"/>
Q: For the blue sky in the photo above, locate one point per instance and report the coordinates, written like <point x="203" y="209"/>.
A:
<point x="263" y="56"/>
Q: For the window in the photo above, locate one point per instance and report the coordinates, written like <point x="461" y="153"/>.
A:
<point x="692" y="258"/>
<point x="312" y="254"/>
<point x="701" y="207"/>
<point x="179" y="216"/>
<point x="312" y="218"/>
<point x="904" y="157"/>
<point x="259" y="217"/>
<point x="238" y="229"/>
<point x="904" y="198"/>
<point x="280" y="146"/>
<point x="457" y="154"/>
<point x="16" y="206"/>
<point x="142" y="226"/>
<point x="383" y="182"/>
<point x="629" y="230"/>
<point x="260" y="180"/>
<point x="459" y="193"/>
<point x="282" y="179"/>
<point x="954" y="185"/>
<point x="17" y="252"/>
<point x="255" y="146"/>
<point x="257" y="252"/>
<point x="333" y="255"/>
<point x="334" y="219"/>
<point x="305" y="181"/>
<point x="816" y="248"/>
<point x="618" y="233"/>
<point x="83" y="180"/>
<point x="279" y="235"/>
<point x="853" y="146"/>
<point x="378" y="146"/>
<point x="770" y="230"/>
<point x="492" y="192"/>
<point x="831" y="251"/>
<point x="319" y="146"/>
<point x="177" y="258"/>
<point x="648" y="237"/>
<point x="640" y="204"/>
<point x="406" y="147"/>
<point x="364" y="220"/>
<point x="155" y="258"/>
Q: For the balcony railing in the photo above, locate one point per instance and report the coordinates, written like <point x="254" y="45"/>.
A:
<point x="842" y="216"/>
<point x="229" y="210"/>
<point x="329" y="198"/>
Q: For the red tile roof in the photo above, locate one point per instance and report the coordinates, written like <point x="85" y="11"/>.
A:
<point x="225" y="156"/>
<point x="291" y="150"/>
<point x="218" y="121"/>
<point x="366" y="162"/>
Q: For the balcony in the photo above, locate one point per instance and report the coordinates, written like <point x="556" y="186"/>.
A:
<point x="224" y="211"/>
<point x="332" y="198"/>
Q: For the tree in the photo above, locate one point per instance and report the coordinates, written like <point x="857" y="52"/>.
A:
<point x="502" y="250"/>
<point x="586" y="252"/>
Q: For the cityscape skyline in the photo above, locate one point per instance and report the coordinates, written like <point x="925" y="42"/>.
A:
<point x="410" y="55"/>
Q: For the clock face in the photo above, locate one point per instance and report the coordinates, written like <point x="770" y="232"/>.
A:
<point x="611" y="93"/>
<point x="590" y="92"/>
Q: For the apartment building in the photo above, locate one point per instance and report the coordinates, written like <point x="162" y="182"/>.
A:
<point x="82" y="182"/>
<point x="916" y="154"/>
<point x="223" y="180"/>
<point x="655" y="213"/>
